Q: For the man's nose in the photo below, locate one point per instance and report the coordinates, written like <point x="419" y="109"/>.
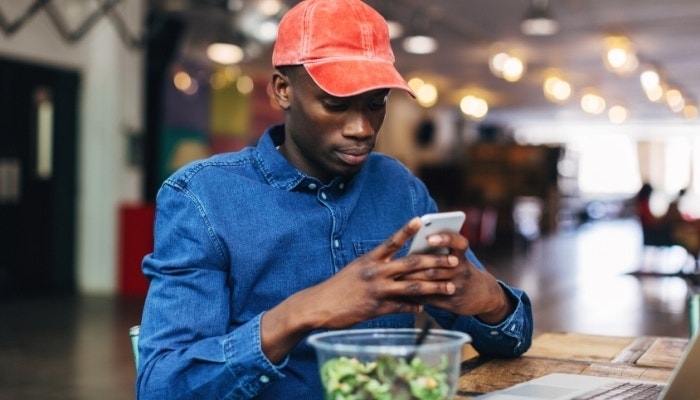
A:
<point x="358" y="124"/>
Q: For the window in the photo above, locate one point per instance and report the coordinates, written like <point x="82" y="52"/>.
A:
<point x="608" y="165"/>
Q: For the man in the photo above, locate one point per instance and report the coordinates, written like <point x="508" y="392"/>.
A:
<point x="307" y="231"/>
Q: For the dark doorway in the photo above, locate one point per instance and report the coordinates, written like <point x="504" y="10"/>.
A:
<point x="38" y="114"/>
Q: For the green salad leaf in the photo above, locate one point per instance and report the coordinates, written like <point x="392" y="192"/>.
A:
<point x="386" y="378"/>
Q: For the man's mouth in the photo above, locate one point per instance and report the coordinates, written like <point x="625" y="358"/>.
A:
<point x="354" y="156"/>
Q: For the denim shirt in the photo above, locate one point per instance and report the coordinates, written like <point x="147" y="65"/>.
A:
<point x="238" y="233"/>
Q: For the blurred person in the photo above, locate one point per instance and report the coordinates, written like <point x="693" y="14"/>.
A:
<point x="672" y="228"/>
<point x="656" y="230"/>
<point x="307" y="231"/>
<point x="674" y="212"/>
<point x="685" y="230"/>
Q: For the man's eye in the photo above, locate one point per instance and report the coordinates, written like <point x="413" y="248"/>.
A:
<point x="335" y="105"/>
<point x="378" y="104"/>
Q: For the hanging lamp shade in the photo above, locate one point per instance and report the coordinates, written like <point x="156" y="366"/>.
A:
<point x="539" y="20"/>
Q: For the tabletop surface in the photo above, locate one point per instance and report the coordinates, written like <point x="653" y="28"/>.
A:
<point x="646" y="357"/>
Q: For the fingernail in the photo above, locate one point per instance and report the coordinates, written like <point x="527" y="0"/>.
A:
<point x="450" y="287"/>
<point x="453" y="260"/>
<point x="415" y="221"/>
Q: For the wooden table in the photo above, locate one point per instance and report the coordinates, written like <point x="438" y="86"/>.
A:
<point x="646" y="357"/>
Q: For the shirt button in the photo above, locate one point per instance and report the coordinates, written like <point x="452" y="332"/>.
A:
<point x="336" y="243"/>
<point x="323" y="195"/>
<point x="264" y="378"/>
<point x="494" y="333"/>
<point x="312" y="186"/>
<point x="342" y="185"/>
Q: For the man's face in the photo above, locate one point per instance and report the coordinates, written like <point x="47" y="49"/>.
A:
<point x="327" y="136"/>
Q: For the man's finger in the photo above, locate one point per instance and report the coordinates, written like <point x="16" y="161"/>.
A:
<point x="396" y="241"/>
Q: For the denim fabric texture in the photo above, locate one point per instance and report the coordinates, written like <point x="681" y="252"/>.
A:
<point x="235" y="235"/>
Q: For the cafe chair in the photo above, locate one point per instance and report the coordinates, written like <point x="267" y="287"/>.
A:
<point x="134" y="332"/>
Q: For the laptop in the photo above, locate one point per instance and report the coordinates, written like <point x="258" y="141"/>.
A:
<point x="684" y="384"/>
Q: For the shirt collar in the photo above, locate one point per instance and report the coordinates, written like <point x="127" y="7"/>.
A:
<point x="278" y="171"/>
<point x="275" y="168"/>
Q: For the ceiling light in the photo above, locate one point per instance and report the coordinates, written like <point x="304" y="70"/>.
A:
<point x="182" y="80"/>
<point x="418" y="40"/>
<point x="419" y="44"/>
<point x="270" y="7"/>
<point x="690" y="112"/>
<point x="617" y="57"/>
<point x="267" y="32"/>
<point x="395" y="29"/>
<point x="474" y="107"/>
<point x="507" y="66"/>
<point x="592" y="103"/>
<point x="539" y="21"/>
<point x="556" y="89"/>
<point x="620" y="56"/>
<point x="651" y="83"/>
<point x="245" y="84"/>
<point x="513" y="69"/>
<point x="618" y="114"/>
<point x="225" y="53"/>
<point x="655" y="93"/>
<point x="223" y="77"/>
<point x="184" y="83"/>
<point x="415" y="83"/>
<point x="427" y="95"/>
<point x="675" y="100"/>
<point x="497" y="63"/>
<point x="649" y="79"/>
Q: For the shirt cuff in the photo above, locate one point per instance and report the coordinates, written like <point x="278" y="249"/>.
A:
<point x="513" y="324"/>
<point x="245" y="358"/>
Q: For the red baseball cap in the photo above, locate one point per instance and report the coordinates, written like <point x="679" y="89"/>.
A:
<point x="343" y="44"/>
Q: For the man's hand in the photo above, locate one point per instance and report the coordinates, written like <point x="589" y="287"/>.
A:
<point x="476" y="291"/>
<point x="375" y="285"/>
<point x="370" y="286"/>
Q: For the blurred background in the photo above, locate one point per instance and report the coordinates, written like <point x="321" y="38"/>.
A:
<point x="541" y="118"/>
<point x="559" y="109"/>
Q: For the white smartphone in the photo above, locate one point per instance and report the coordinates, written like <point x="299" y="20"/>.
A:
<point x="450" y="221"/>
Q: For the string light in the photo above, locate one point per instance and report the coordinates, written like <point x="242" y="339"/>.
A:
<point x="620" y="56"/>
<point x="592" y="103"/>
<point x="474" y="107"/>
<point x="618" y="114"/>
<point x="556" y="89"/>
<point x="426" y="93"/>
<point x="507" y="66"/>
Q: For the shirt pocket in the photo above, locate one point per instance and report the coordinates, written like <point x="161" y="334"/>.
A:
<point x="363" y="247"/>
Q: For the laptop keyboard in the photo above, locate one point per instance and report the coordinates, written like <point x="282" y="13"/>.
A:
<point x="625" y="390"/>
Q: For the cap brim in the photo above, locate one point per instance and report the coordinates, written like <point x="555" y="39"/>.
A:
<point x="351" y="77"/>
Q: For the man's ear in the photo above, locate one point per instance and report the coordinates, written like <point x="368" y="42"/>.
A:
<point x="281" y="89"/>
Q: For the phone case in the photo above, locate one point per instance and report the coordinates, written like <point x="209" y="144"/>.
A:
<point x="451" y="221"/>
